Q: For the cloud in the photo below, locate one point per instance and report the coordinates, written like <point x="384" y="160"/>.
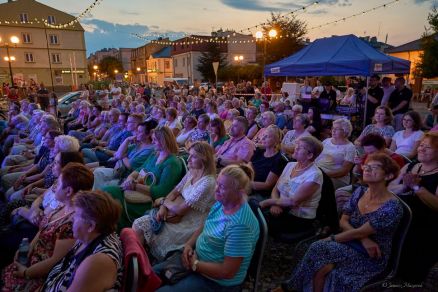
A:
<point x="281" y="5"/>
<point x="101" y="34"/>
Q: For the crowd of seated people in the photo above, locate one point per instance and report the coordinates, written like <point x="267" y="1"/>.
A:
<point x="180" y="169"/>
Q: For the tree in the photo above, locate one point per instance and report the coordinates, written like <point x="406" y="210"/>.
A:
<point x="428" y="65"/>
<point x="290" y="37"/>
<point x="213" y="54"/>
<point x="109" y="64"/>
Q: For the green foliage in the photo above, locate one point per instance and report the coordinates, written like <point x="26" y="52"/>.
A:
<point x="205" y="66"/>
<point x="292" y="32"/>
<point x="428" y="66"/>
<point x="109" y="64"/>
<point x="244" y="72"/>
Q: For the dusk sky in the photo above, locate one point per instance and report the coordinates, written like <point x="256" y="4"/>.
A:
<point x="111" y="23"/>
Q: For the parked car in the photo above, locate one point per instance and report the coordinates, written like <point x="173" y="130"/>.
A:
<point x="65" y="102"/>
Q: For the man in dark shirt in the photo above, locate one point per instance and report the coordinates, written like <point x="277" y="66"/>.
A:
<point x="327" y="98"/>
<point x="399" y="101"/>
<point x="375" y="96"/>
<point x="43" y="97"/>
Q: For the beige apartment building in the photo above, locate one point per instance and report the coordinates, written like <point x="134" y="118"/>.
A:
<point x="160" y="66"/>
<point x="51" y="55"/>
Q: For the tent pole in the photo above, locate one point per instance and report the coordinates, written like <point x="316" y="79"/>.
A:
<point x="366" y="103"/>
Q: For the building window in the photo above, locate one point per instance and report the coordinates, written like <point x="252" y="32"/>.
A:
<point x="24" y="18"/>
<point x="53" y="39"/>
<point x="56" y="58"/>
<point x="28" y="57"/>
<point x="166" y="65"/>
<point x="26" y="38"/>
<point x="51" y="19"/>
<point x="175" y="63"/>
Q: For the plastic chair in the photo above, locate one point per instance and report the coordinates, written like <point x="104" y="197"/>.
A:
<point x="397" y="244"/>
<point x="257" y="258"/>
<point x="326" y="215"/>
<point x="132" y="275"/>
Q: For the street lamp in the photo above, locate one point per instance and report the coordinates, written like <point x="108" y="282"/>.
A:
<point x="261" y="35"/>
<point x="15" y="40"/>
<point x="239" y="60"/>
<point x="95" y="67"/>
<point x="138" y="69"/>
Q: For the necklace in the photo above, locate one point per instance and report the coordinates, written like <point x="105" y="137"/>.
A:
<point x="423" y="172"/>
<point x="297" y="170"/>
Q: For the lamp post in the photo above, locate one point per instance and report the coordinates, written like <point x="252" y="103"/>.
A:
<point x="96" y="70"/>
<point x="15" y="40"/>
<point x="239" y="60"/>
<point x="261" y="35"/>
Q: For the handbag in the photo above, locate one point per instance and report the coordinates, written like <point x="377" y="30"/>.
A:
<point x="173" y="269"/>
<point x="136" y="197"/>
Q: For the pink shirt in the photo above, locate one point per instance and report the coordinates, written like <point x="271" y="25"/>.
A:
<point x="237" y="149"/>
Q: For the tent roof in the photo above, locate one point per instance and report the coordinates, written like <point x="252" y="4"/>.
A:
<point x="337" y="56"/>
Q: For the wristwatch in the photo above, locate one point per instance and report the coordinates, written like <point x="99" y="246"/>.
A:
<point x="195" y="265"/>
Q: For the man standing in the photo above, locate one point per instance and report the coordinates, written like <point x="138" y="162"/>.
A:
<point x="375" y="96"/>
<point x="43" y="97"/>
<point x="327" y="98"/>
<point x="388" y="88"/>
<point x="399" y="101"/>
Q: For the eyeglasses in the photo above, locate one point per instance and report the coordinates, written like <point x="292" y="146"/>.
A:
<point x="337" y="129"/>
<point x="375" y="167"/>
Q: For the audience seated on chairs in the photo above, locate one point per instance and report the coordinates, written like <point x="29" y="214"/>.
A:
<point x="268" y="164"/>
<point x="371" y="143"/>
<point x="295" y="198"/>
<point x="381" y="125"/>
<point x="131" y="155"/>
<point x="94" y="263"/>
<point x="159" y="174"/>
<point x="405" y="142"/>
<point x="238" y="148"/>
<point x="54" y="239"/>
<point x="348" y="260"/>
<point x="337" y="157"/>
<point x="179" y="214"/>
<point x="201" y="131"/>
<point x="115" y="125"/>
<point x="219" y="254"/>
<point x="100" y="153"/>
<point x="417" y="185"/>
<point x="315" y="123"/>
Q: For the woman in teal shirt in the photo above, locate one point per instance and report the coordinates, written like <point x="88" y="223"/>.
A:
<point x="163" y="165"/>
<point x="220" y="251"/>
<point x="130" y="156"/>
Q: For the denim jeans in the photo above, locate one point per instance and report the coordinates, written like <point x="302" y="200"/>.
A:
<point x="196" y="282"/>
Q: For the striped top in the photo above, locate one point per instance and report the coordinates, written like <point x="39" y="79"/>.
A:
<point x="233" y="235"/>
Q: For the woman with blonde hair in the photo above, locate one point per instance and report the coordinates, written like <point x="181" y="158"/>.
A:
<point x="220" y="250"/>
<point x="268" y="164"/>
<point x="179" y="213"/>
<point x="154" y="179"/>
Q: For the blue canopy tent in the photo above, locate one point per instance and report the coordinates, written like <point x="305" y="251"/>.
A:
<point x="338" y="56"/>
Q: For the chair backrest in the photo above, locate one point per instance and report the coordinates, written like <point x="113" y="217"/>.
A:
<point x="257" y="258"/>
<point x="184" y="165"/>
<point x="398" y="240"/>
<point x="131" y="284"/>
<point x="327" y="213"/>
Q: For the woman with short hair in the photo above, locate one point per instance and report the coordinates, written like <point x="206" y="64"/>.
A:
<point x="337" y="158"/>
<point x="220" y="250"/>
<point x="301" y="122"/>
<point x="190" y="123"/>
<point x="54" y="239"/>
<point x="172" y="121"/>
<point x="295" y="197"/>
<point x="348" y="260"/>
<point x="95" y="261"/>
